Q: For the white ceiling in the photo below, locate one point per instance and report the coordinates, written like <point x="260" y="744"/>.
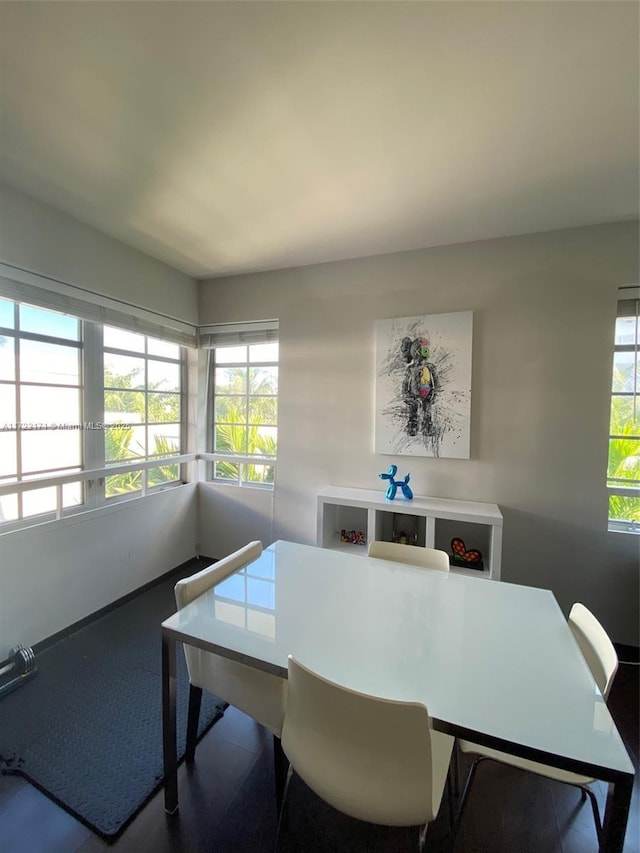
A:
<point x="232" y="137"/>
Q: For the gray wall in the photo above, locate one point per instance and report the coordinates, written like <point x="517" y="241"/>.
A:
<point x="41" y="239"/>
<point x="544" y="307"/>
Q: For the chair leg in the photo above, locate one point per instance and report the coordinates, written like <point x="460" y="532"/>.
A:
<point x="193" y="715"/>
<point x="280" y="766"/>
<point x="456" y="768"/>
<point x="283" y="807"/>
<point x="465" y="795"/>
<point x="422" y="837"/>
<point x="450" y="796"/>
<point x="586" y="790"/>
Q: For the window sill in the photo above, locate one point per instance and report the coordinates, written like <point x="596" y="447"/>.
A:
<point x="79" y="514"/>
<point x="624" y="527"/>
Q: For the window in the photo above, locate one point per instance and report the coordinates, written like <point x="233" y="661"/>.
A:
<point x="623" y="471"/>
<point x="142" y="408"/>
<point x="245" y="413"/>
<point x="41" y="404"/>
<point x="55" y="423"/>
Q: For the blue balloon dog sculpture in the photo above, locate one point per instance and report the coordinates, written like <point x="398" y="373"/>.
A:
<point x="394" y="484"/>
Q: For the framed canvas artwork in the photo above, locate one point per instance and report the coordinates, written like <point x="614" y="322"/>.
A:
<point x="423" y="385"/>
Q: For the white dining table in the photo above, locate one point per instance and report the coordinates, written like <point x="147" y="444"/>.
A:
<point x="494" y="663"/>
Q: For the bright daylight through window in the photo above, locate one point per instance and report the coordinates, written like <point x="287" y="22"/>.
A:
<point x="55" y="423"/>
<point x="623" y="473"/>
<point x="142" y="382"/>
<point x="245" y="413"/>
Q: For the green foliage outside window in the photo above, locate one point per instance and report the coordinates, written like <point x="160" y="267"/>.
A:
<point x="624" y="450"/>
<point x="245" y="422"/>
<point x="120" y="399"/>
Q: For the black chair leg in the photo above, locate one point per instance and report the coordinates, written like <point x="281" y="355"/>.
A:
<point x="465" y="796"/>
<point x="280" y="767"/>
<point x="195" y="699"/>
<point x="456" y="768"/>
<point x="284" y="804"/>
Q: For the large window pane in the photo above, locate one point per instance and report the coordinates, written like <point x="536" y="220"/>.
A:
<point x="624" y="459"/>
<point x="44" y="404"/>
<point x="626" y="371"/>
<point x="127" y="407"/>
<point x="39" y="501"/>
<point x="625" y="416"/>
<point x="231" y="355"/>
<point x="263" y="380"/>
<point x="230" y="410"/>
<point x="625" y="509"/>
<point x="164" y="474"/>
<point x="49" y="363"/>
<point x="117" y="444"/>
<point x="72" y="494"/>
<point x="263" y="353"/>
<point x="40" y="386"/>
<point x="8" y="457"/>
<point x="7" y="314"/>
<point x="163" y="408"/>
<point x="163" y="376"/>
<point x="163" y="439"/>
<point x="122" y="444"/>
<point x="8" y="508"/>
<point x="123" y="484"/>
<point x="7" y="405"/>
<point x="230" y="438"/>
<point x="258" y="473"/>
<point x="157" y="347"/>
<point x="226" y="471"/>
<point x="43" y="322"/>
<point x="45" y="450"/>
<point x="7" y="358"/>
<point x="123" y="371"/>
<point x="231" y="380"/>
<point x="627" y="331"/>
<point x="263" y="441"/>
<point x="119" y="339"/>
<point x="263" y="410"/>
<point x="245" y="410"/>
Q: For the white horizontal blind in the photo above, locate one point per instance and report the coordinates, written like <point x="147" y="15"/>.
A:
<point x="42" y="292"/>
<point x="237" y="334"/>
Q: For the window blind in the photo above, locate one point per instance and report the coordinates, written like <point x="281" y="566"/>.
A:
<point x="628" y="301"/>
<point x="43" y="292"/>
<point x="237" y="334"/>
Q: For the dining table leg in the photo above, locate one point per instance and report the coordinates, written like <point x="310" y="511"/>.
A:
<point x="169" y="724"/>
<point x="616" y="814"/>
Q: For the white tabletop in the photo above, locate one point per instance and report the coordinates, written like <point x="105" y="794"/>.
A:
<point x="489" y="657"/>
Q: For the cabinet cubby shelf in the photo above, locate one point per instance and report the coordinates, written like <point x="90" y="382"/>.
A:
<point x="429" y="522"/>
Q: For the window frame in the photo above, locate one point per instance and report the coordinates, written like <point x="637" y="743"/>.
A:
<point x="628" y="306"/>
<point x="146" y="356"/>
<point x="242" y="460"/>
<point x="92" y="471"/>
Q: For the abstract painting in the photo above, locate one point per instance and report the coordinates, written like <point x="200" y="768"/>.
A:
<point x="423" y="385"/>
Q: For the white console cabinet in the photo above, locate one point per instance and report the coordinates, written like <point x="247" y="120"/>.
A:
<point x="424" y="522"/>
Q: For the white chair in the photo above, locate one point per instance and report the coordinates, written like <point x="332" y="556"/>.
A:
<point x="412" y="555"/>
<point x="374" y="759"/>
<point x="257" y="693"/>
<point x="600" y="655"/>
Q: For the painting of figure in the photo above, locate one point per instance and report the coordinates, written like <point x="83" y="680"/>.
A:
<point x="423" y="385"/>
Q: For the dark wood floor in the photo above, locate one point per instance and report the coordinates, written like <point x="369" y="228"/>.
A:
<point x="226" y="806"/>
